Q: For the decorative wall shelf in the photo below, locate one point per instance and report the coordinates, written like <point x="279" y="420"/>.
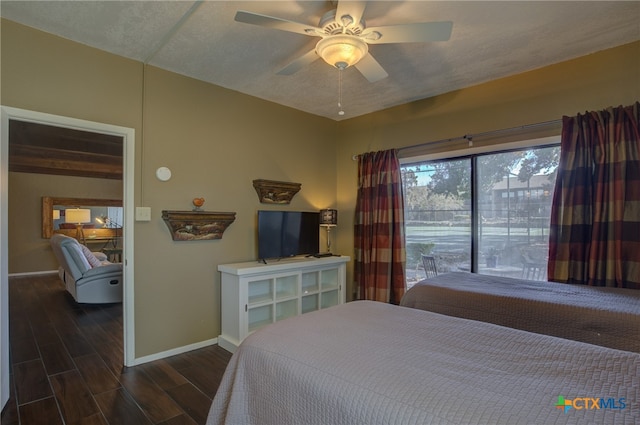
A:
<point x="197" y="225"/>
<point x="274" y="192"/>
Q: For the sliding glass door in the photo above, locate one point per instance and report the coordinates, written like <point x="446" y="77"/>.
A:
<point x="437" y="198"/>
<point x="501" y="201"/>
<point x="515" y="190"/>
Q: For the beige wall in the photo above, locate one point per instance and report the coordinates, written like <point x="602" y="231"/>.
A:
<point x="215" y="141"/>
<point x="594" y="82"/>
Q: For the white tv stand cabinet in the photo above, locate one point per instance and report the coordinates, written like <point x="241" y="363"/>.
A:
<point x="256" y="294"/>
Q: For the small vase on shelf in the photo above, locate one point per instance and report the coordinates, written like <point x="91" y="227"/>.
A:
<point x="197" y="204"/>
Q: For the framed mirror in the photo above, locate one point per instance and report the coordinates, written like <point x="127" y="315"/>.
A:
<point x="103" y="220"/>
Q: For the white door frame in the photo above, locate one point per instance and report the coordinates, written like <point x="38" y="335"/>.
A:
<point x="128" y="137"/>
<point x="4" y="263"/>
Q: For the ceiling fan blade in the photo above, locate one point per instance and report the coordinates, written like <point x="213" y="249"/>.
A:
<point x="355" y="9"/>
<point x="299" y="63"/>
<point x="409" y="33"/>
<point x="276" y="23"/>
<point x="371" y="69"/>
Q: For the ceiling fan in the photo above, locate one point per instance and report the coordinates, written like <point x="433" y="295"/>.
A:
<point x="344" y="37"/>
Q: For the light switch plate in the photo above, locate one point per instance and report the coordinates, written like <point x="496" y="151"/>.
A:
<point x="143" y="213"/>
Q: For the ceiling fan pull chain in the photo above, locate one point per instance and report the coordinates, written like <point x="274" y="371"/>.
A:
<point x="340" y="111"/>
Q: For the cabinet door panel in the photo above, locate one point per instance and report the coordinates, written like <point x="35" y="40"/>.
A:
<point x="286" y="286"/>
<point x="286" y="309"/>
<point x="260" y="316"/>
<point x="329" y="279"/>
<point x="330" y="298"/>
<point x="309" y="303"/>
<point x="310" y="282"/>
<point x="260" y="291"/>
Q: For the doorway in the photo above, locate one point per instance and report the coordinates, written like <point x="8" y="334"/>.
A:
<point x="128" y="138"/>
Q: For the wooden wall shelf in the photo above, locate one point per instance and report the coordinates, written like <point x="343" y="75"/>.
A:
<point x="197" y="225"/>
<point x="274" y="192"/>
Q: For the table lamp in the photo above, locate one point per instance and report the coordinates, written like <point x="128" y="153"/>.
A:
<point x="328" y="219"/>
<point x="108" y="222"/>
<point x="78" y="216"/>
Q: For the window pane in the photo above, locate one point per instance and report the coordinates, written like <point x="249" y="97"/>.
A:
<point x="511" y="224"/>
<point x="514" y="204"/>
<point x="437" y="215"/>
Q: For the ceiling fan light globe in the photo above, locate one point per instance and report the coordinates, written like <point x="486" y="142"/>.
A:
<point x="341" y="51"/>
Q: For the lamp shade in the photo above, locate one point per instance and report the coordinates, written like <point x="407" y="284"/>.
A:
<point x="56" y="214"/>
<point x="328" y="217"/>
<point x="342" y="50"/>
<point x="77" y="215"/>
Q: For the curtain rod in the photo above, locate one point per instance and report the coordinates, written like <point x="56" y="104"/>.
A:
<point x="470" y="137"/>
<point x="486" y="133"/>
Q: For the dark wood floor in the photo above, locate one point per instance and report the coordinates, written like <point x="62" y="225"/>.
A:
<point x="67" y="366"/>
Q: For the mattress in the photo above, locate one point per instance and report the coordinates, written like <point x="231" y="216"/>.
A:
<point x="373" y="363"/>
<point x="609" y="317"/>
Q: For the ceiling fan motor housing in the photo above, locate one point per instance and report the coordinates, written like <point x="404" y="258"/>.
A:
<point x="332" y="25"/>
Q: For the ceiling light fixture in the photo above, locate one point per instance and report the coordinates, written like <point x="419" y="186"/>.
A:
<point x="341" y="50"/>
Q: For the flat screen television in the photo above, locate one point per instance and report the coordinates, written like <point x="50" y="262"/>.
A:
<point x="287" y="233"/>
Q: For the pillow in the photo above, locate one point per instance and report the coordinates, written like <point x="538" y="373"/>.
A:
<point x="92" y="259"/>
<point x="100" y="256"/>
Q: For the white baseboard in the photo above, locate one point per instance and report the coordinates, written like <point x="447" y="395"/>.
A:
<point x="228" y="344"/>
<point x="174" y="351"/>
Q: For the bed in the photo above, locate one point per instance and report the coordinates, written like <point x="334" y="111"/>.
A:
<point x="370" y="363"/>
<point x="609" y="317"/>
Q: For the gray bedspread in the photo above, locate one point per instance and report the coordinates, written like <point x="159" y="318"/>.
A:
<point x="609" y="317"/>
<point x="372" y="363"/>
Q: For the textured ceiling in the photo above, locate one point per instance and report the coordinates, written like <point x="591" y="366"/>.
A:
<point x="202" y="40"/>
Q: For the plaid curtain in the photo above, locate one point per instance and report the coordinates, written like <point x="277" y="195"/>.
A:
<point x="595" y="218"/>
<point x="379" y="228"/>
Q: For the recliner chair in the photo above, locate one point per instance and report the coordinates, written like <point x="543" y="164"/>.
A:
<point x="88" y="276"/>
